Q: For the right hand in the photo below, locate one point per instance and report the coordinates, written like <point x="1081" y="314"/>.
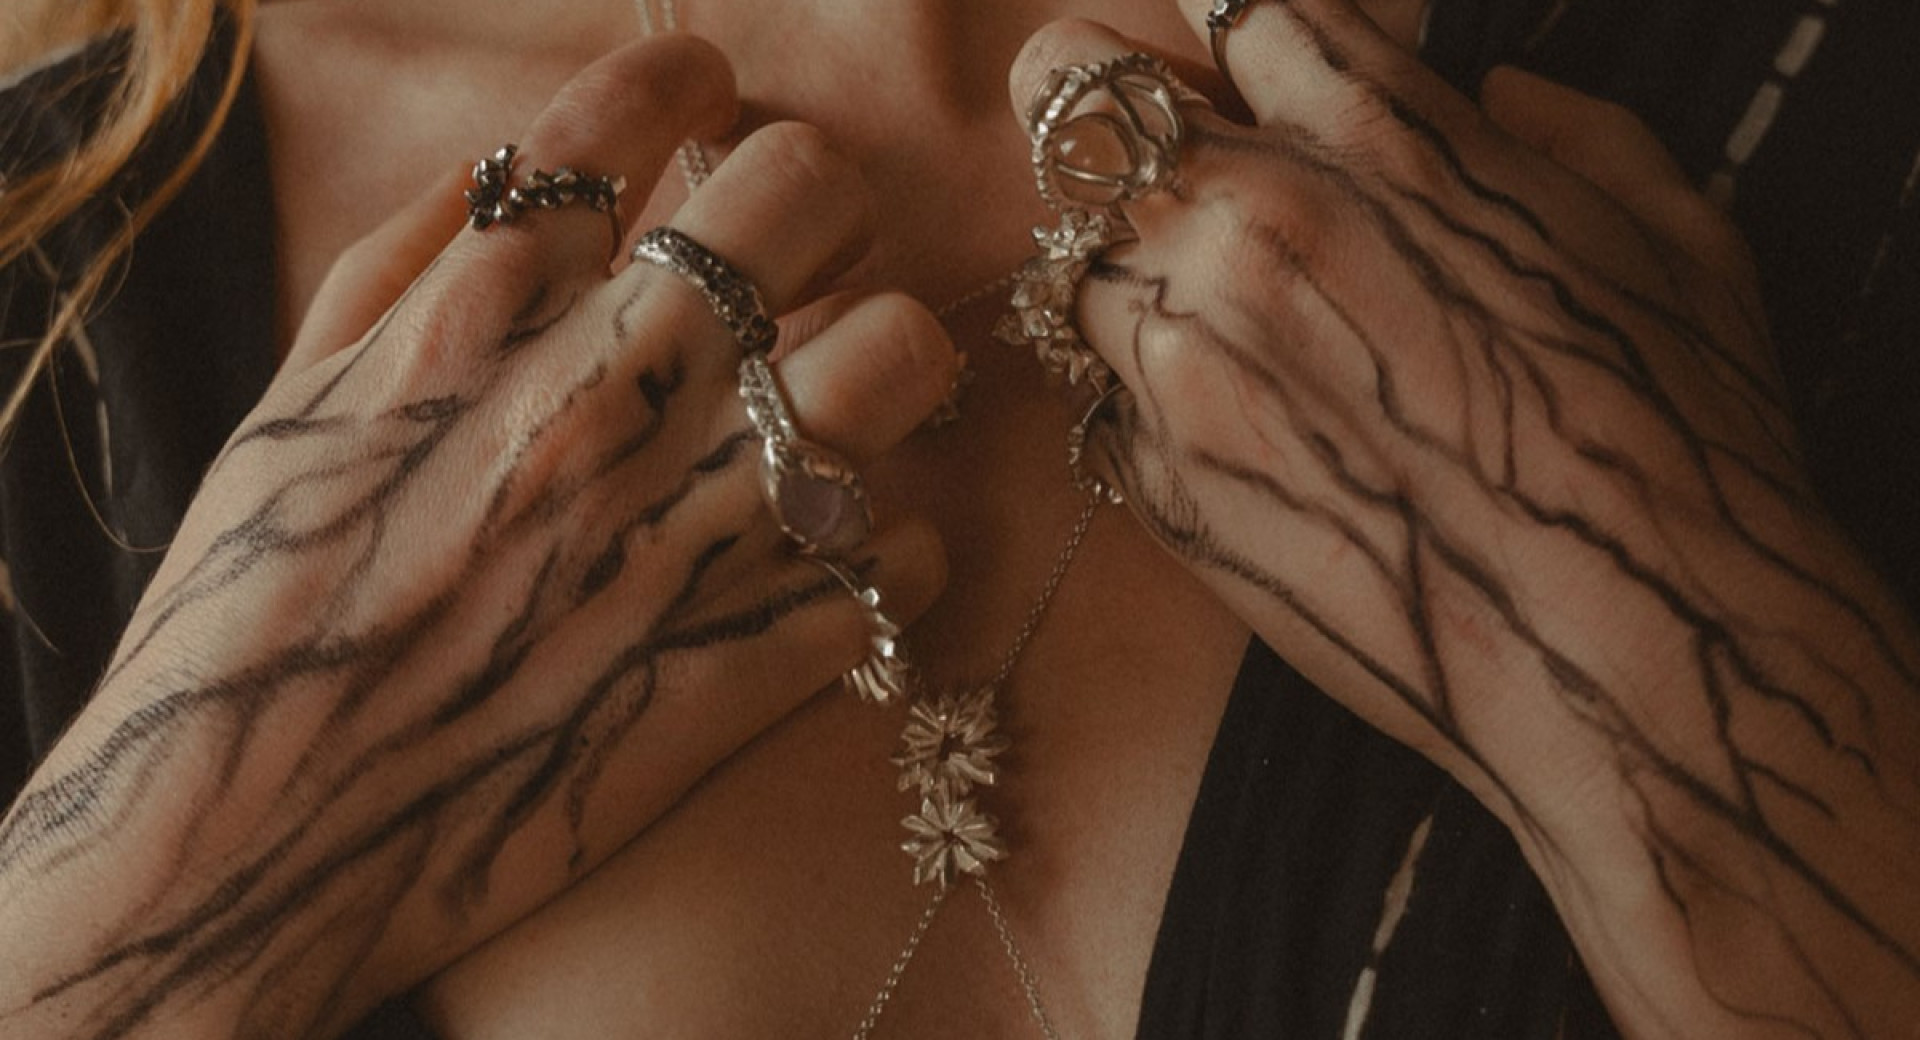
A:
<point x="465" y="605"/>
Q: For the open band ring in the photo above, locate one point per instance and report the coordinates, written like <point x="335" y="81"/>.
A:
<point x="1107" y="132"/>
<point x="1224" y="15"/>
<point x="885" y="675"/>
<point x="495" y="199"/>
<point x="733" y="297"/>
<point x="816" y="495"/>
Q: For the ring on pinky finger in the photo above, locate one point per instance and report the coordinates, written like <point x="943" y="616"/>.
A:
<point x="885" y="675"/>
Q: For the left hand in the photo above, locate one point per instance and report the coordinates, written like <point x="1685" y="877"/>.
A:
<point x="1470" y="412"/>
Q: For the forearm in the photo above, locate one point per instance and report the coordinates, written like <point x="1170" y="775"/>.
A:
<point x="1713" y="770"/>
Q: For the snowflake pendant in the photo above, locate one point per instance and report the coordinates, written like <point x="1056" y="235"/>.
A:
<point x="950" y="743"/>
<point x="951" y="836"/>
<point x="947" y="749"/>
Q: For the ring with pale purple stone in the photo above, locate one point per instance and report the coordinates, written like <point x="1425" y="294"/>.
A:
<point x="815" y="494"/>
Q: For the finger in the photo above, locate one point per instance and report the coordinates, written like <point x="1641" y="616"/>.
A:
<point x="784" y="207"/>
<point x="731" y="673"/>
<point x="809" y="648"/>
<point x="800" y="325"/>
<point x="1074" y="41"/>
<point x="622" y="117"/>
<point x="373" y="273"/>
<point x="1327" y="66"/>
<point x="870" y="377"/>
<point x="1610" y="147"/>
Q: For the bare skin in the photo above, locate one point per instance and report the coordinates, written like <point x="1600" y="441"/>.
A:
<point x="768" y="900"/>
<point x="701" y="921"/>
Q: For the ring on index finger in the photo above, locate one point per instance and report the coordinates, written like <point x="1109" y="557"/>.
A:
<point x="494" y="199"/>
<point x="1107" y="132"/>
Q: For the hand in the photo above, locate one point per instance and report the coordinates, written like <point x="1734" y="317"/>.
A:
<point x="1469" y="411"/>
<point x="469" y="599"/>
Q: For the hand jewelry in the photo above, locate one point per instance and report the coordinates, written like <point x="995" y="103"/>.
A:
<point x="1224" y="16"/>
<point x="493" y="200"/>
<point x="733" y="297"/>
<point x="883" y="678"/>
<point x="1045" y="291"/>
<point x="817" y="497"/>
<point x="1108" y="132"/>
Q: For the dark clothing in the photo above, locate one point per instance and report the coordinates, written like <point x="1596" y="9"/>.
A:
<point x="1321" y="858"/>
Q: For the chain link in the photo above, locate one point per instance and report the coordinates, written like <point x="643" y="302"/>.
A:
<point x="695" y="169"/>
<point x="899" y="970"/>
<point x="1045" y="599"/>
<point x="1029" y="982"/>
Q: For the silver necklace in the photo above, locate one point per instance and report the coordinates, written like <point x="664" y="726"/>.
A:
<point x="951" y="740"/>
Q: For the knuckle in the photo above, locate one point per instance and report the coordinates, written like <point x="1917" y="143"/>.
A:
<point x="914" y="345"/>
<point x="434" y="337"/>
<point x="1414" y="155"/>
<point x="1058" y="43"/>
<point x="798" y="158"/>
<point x="571" y="124"/>
<point x="1612" y="119"/>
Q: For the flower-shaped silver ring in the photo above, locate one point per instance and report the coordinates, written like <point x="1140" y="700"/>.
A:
<point x="816" y="495"/>
<point x="884" y="676"/>
<point x="494" y="199"/>
<point x="1046" y="290"/>
<point x="1107" y="132"/>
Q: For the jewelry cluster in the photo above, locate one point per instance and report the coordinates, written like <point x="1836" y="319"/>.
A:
<point x="1103" y="134"/>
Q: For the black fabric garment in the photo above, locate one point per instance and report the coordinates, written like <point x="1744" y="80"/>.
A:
<point x="1306" y="817"/>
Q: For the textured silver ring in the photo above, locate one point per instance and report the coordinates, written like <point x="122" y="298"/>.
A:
<point x="1078" y="438"/>
<point x="815" y="494"/>
<point x="884" y="676"/>
<point x="495" y="199"/>
<point x="733" y="297"/>
<point x="1107" y="132"/>
<point x="1045" y="292"/>
<point x="1224" y="15"/>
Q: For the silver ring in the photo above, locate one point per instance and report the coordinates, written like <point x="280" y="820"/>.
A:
<point x="816" y="495"/>
<point x="494" y="199"/>
<point x="1108" y="132"/>
<point x="1085" y="479"/>
<point x="1224" y="16"/>
<point x="1045" y="290"/>
<point x="885" y="675"/>
<point x="733" y="297"/>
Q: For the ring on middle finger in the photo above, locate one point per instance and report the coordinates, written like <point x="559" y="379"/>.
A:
<point x="816" y="495"/>
<point x="732" y="295"/>
<point x="1107" y="132"/>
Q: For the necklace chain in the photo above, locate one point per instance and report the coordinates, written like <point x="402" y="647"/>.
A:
<point x="1045" y="599"/>
<point x="695" y="169"/>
